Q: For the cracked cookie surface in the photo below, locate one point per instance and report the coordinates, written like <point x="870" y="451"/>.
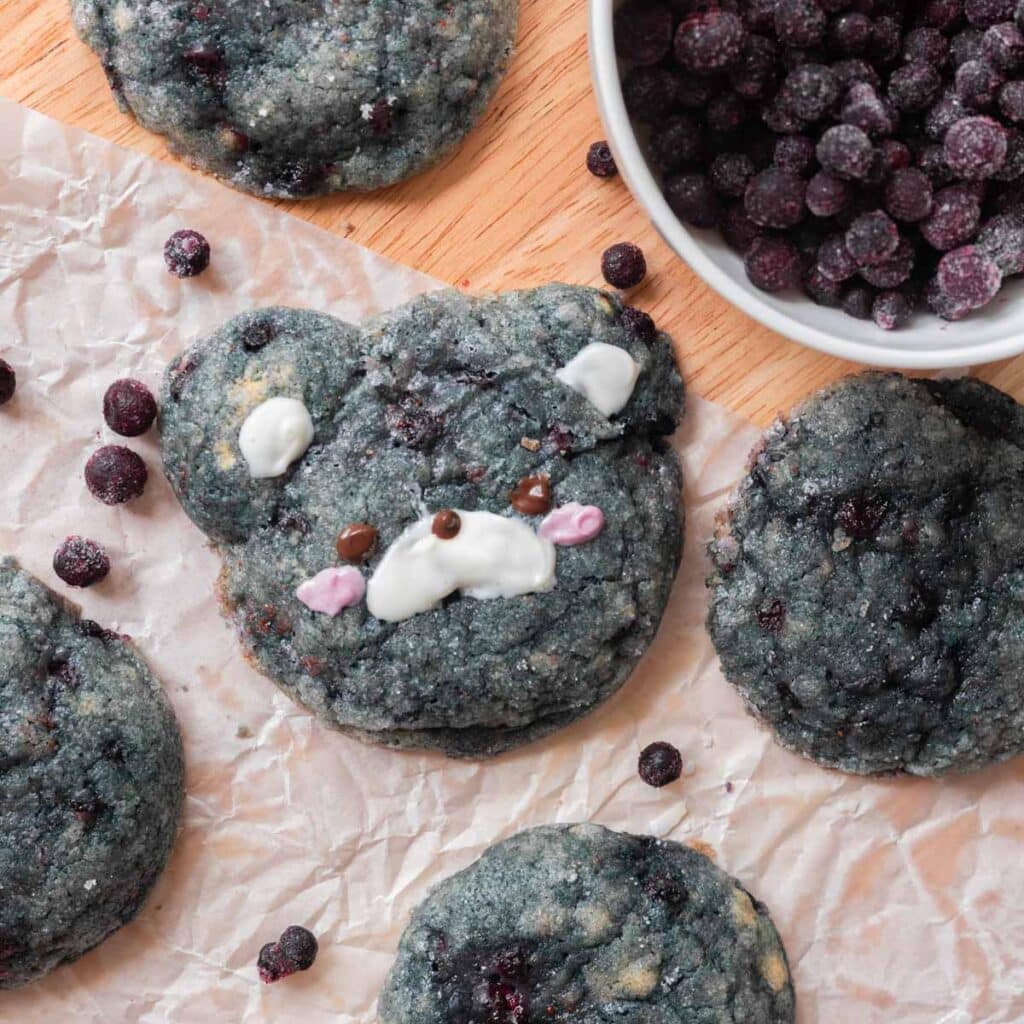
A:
<point x="447" y="402"/>
<point x="91" y="780"/>
<point x="303" y="97"/>
<point x="868" y="592"/>
<point x="579" y="924"/>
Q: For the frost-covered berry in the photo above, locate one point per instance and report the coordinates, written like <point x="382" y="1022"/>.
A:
<point x="858" y="302"/>
<point x="891" y="310"/>
<point x="968" y="277"/>
<point x="186" y="253"/>
<point x="80" y="562"/>
<point x="915" y="86"/>
<point x="846" y="151"/>
<point x="623" y="265"/>
<point x="794" y="153"/>
<point x="600" y="161"/>
<point x="1001" y="238"/>
<point x="926" y="44"/>
<point x="1003" y="47"/>
<point x="827" y="195"/>
<point x="115" y="474"/>
<point x="1011" y="101"/>
<point x="834" y="259"/>
<point x="975" y="147"/>
<point x="977" y="83"/>
<point x="984" y="13"/>
<point x="692" y="199"/>
<point x="908" y="195"/>
<point x="643" y="32"/>
<point x="809" y="91"/>
<point x="894" y="271"/>
<point x="738" y="230"/>
<point x="850" y="34"/>
<point x="799" y="23"/>
<point x="872" y="238"/>
<point x="943" y="114"/>
<point x="775" y="198"/>
<point x="709" y="41"/>
<point x="129" y="407"/>
<point x="773" y="263"/>
<point x="821" y="289"/>
<point x="755" y="74"/>
<point x="954" y="219"/>
<point x="729" y="174"/>
<point x="677" y="142"/>
<point x="865" y="109"/>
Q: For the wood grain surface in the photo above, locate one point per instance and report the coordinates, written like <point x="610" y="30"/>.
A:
<point x="513" y="207"/>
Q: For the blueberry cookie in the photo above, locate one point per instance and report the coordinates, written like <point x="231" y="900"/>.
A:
<point x="91" y="780"/>
<point x="298" y="98"/>
<point x="454" y="527"/>
<point x="577" y="923"/>
<point x="868" y="592"/>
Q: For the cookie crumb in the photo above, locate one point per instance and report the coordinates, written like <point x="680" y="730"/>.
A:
<point x="243" y="732"/>
<point x="531" y="444"/>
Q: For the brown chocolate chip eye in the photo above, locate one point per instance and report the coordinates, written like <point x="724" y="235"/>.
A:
<point x="532" y="495"/>
<point x="355" y="541"/>
<point x="446" y="524"/>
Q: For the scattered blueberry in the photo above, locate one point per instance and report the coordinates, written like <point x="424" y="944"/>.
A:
<point x="186" y="253"/>
<point x="600" y="161"/>
<point x="891" y="309"/>
<point x="129" y="407"/>
<point x="115" y="474"/>
<point x="660" y="764"/>
<point x="80" y="562"/>
<point x="295" y="950"/>
<point x="773" y="263"/>
<point x="8" y="381"/>
<point x="623" y="265"/>
<point x="639" y="323"/>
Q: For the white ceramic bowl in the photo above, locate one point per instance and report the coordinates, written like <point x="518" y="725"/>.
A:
<point x="926" y="343"/>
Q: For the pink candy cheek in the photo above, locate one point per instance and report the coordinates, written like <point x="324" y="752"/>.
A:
<point x="572" y="524"/>
<point x="588" y="523"/>
<point x="331" y="590"/>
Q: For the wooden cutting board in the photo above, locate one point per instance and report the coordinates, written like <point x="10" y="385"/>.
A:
<point x="513" y="207"/>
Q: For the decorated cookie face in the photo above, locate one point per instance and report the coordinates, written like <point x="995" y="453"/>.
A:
<point x="458" y="516"/>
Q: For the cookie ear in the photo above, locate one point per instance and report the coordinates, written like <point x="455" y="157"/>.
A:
<point x="210" y="391"/>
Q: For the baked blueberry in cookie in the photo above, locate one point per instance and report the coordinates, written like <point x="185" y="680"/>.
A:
<point x="868" y="586"/>
<point x="578" y="924"/>
<point x="91" y="780"/>
<point x="300" y="98"/>
<point x="453" y="527"/>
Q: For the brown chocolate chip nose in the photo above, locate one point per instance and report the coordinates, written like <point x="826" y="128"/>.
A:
<point x="532" y="495"/>
<point x="355" y="541"/>
<point x="446" y="524"/>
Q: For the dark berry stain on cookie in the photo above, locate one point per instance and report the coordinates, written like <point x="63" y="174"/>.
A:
<point x="659" y="764"/>
<point x="115" y="474"/>
<point x="623" y="265"/>
<point x="446" y="524"/>
<point x="8" y="380"/>
<point x="664" y="889"/>
<point x="186" y="253"/>
<point x="206" y="58"/>
<point x="640" y="324"/>
<point x="413" y="425"/>
<point x="295" y="950"/>
<point x="129" y="407"/>
<point x="258" y="334"/>
<point x="600" y="161"/>
<point x="532" y="495"/>
<point x="772" y="617"/>
<point x="861" y="517"/>
<point x="80" y="562"/>
<point x="380" y="118"/>
<point x="181" y="372"/>
<point x="355" y="541"/>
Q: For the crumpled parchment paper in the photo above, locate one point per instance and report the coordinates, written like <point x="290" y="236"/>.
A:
<point x="899" y="901"/>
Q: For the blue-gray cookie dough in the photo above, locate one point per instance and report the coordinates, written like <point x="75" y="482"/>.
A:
<point x="445" y="402"/>
<point x="299" y="98"/>
<point x="868" y="590"/>
<point x="91" y="780"/>
<point x="579" y="924"/>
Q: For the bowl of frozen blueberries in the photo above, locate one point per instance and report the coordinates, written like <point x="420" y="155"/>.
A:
<point x="848" y="172"/>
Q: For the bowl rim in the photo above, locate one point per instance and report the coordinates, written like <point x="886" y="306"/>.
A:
<point x="641" y="182"/>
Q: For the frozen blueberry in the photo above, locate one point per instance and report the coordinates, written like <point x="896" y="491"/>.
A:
<point x="1001" y="238"/>
<point x="977" y="83"/>
<point x="954" y="219"/>
<point x="677" y="142"/>
<point x="272" y="964"/>
<point x="8" y="381"/>
<point x="754" y="75"/>
<point x="1013" y="166"/>
<point x="780" y="119"/>
<point x="975" y="147"/>
<point x="623" y="265"/>
<point x="865" y="109"/>
<point x="775" y="198"/>
<point x="773" y="263"/>
<point x="795" y="153"/>
<point x="729" y="174"/>
<point x="968" y="277"/>
<point x="943" y="305"/>
<point x="966" y="45"/>
<point x="932" y="162"/>
<point x="915" y="86"/>
<point x="692" y="199"/>
<point x="759" y="15"/>
<point x="908" y="195"/>
<point x="600" y="161"/>
<point x="738" y="230"/>
<point x="821" y="289"/>
<point x="186" y="253"/>
<point x="660" y="764"/>
<point x="1011" y="101"/>
<point x="826" y="194"/>
<point x="849" y="34"/>
<point x="943" y="114"/>
<point x="639" y="324"/>
<point x="846" y="151"/>
<point x="725" y="114"/>
<point x="129" y="407"/>
<point x="809" y="91"/>
<point x="799" y="23"/>
<point x="886" y="38"/>
<point x="643" y="32"/>
<point x="650" y="93"/>
<point x="295" y="950"/>
<point x="891" y="310"/>
<point x="872" y="238"/>
<point x="926" y="44"/>
<point x="834" y="259"/>
<point x="858" y="302"/>
<point x="894" y="271"/>
<point x="850" y="72"/>
<point x="709" y="41"/>
<point x="984" y="13"/>
<point x="1003" y="47"/>
<point x="115" y="474"/>
<point x="941" y="14"/>
<point x="80" y="562"/>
